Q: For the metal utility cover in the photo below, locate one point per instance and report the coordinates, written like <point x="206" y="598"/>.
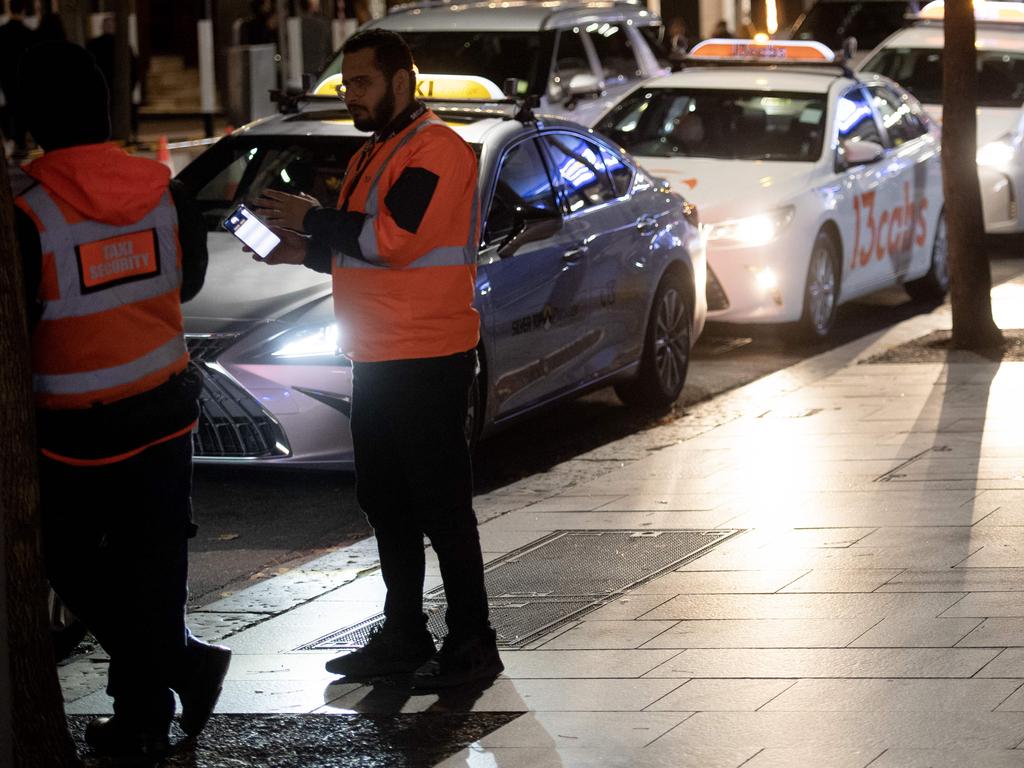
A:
<point x="555" y="579"/>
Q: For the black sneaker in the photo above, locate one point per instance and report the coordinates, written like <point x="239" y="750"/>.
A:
<point x="461" y="660"/>
<point x="207" y="666"/>
<point x="387" y="652"/>
<point x="111" y="737"/>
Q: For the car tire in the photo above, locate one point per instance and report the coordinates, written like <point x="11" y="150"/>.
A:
<point x="934" y="285"/>
<point x="821" y="290"/>
<point x="666" y="350"/>
<point x="66" y="629"/>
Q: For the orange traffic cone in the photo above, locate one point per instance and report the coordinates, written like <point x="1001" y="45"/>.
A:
<point x="163" y="153"/>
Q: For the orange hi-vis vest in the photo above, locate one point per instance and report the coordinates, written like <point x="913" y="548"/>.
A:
<point x="411" y="294"/>
<point x="111" y="324"/>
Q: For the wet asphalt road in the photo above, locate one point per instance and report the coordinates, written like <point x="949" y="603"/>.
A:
<point x="255" y="524"/>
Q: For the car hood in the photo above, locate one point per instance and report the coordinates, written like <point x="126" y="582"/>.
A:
<point x="239" y="291"/>
<point x="715" y="185"/>
<point x="993" y="122"/>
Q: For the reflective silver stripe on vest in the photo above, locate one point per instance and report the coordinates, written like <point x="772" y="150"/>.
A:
<point x="115" y="376"/>
<point x="60" y="238"/>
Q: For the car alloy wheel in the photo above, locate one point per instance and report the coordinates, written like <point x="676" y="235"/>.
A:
<point x="672" y="341"/>
<point x="666" y="350"/>
<point x="822" y="288"/>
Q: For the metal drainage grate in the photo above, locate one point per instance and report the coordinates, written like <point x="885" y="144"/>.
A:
<point x="556" y="579"/>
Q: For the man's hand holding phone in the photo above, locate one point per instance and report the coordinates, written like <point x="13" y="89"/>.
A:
<point x="266" y="244"/>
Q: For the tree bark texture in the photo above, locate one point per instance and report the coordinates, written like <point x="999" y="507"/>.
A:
<point x="121" y="88"/>
<point x="969" y="271"/>
<point x="74" y="14"/>
<point x="40" y="734"/>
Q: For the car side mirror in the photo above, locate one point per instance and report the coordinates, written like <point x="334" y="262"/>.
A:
<point x="531" y="225"/>
<point x="584" y="84"/>
<point x="861" y="153"/>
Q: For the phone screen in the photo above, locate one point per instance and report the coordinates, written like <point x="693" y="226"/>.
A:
<point x="244" y="225"/>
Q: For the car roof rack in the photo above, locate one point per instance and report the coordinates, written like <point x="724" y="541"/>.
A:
<point x="519" y="108"/>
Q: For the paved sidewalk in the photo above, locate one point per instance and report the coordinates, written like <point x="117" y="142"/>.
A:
<point x="868" y="610"/>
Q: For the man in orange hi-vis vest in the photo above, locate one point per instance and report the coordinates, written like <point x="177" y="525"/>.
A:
<point x="401" y="246"/>
<point x="110" y="248"/>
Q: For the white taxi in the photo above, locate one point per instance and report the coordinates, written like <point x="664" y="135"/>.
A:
<point x="913" y="56"/>
<point x="815" y="186"/>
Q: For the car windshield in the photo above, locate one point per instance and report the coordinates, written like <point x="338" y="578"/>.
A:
<point x="240" y="169"/>
<point x="734" y="125"/>
<point x="496" y="56"/>
<point x="870" y="23"/>
<point x="919" y="70"/>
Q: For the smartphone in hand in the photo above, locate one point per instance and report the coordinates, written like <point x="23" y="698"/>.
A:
<point x="244" y="225"/>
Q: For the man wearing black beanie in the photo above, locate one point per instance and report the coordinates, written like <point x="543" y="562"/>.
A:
<point x="111" y="247"/>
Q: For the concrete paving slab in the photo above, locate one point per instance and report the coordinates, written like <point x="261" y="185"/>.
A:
<point x="804" y="606"/>
<point x="955" y="758"/>
<point x="801" y="758"/>
<point x="761" y="633"/>
<point x="709" y="695"/>
<point x="835" y="663"/>
<point x="845" y="580"/>
<point x="900" y="695"/>
<point x="915" y="632"/>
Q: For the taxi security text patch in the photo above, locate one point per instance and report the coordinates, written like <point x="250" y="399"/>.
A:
<point x="116" y="260"/>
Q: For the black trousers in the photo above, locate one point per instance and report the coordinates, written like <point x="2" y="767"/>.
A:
<point x="115" y="542"/>
<point x="414" y="478"/>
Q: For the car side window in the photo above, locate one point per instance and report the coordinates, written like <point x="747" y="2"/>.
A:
<point x="614" y="51"/>
<point x="619" y="172"/>
<point x="570" y="59"/>
<point x="900" y="122"/>
<point x="855" y="120"/>
<point x="522" y="185"/>
<point x="579" y="169"/>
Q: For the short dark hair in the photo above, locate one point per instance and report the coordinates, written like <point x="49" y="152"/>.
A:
<point x="390" y="50"/>
<point x="17" y="6"/>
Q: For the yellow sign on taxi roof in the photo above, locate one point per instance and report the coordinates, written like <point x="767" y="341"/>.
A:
<point x="769" y="50"/>
<point x="436" y="87"/>
<point x="1009" y="13"/>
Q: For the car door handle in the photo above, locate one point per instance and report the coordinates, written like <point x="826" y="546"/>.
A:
<point x="575" y="254"/>
<point x="646" y="225"/>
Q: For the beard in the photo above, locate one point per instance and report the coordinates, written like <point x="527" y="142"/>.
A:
<point x="378" y="116"/>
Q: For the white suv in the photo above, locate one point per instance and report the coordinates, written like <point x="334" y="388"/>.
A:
<point x="578" y="57"/>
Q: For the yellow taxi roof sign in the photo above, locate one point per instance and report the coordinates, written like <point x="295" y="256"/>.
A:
<point x="728" y="49"/>
<point x="1007" y="13"/>
<point x="429" y="86"/>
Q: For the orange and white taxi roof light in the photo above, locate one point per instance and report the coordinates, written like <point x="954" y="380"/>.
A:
<point x="430" y="86"/>
<point x="727" y="49"/>
<point x="1007" y="13"/>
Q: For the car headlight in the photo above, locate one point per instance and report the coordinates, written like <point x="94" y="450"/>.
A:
<point x="753" y="230"/>
<point x="313" y="343"/>
<point x="998" y="153"/>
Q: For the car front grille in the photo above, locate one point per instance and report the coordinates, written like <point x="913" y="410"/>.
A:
<point x="233" y="424"/>
<point x="715" y="293"/>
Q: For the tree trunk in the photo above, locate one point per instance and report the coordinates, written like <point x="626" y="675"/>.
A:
<point x="75" y="15"/>
<point x="969" y="271"/>
<point x="121" y="88"/>
<point x="40" y="734"/>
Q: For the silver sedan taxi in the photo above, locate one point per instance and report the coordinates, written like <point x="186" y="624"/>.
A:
<point x="591" y="272"/>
